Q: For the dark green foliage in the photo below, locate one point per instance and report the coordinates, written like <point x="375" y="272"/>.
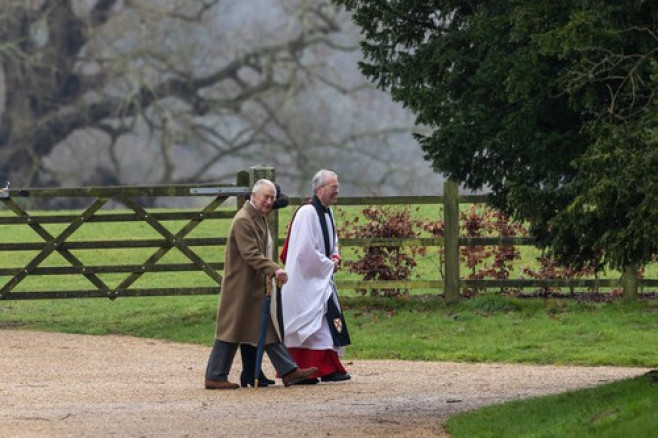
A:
<point x="551" y="105"/>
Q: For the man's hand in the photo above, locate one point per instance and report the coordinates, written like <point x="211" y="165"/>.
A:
<point x="281" y="276"/>
<point x="336" y="261"/>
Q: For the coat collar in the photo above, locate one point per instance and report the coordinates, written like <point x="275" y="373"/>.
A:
<point x="251" y="209"/>
<point x="255" y="215"/>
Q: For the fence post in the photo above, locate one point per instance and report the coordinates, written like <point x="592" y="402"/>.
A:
<point x="629" y="283"/>
<point x="260" y="172"/>
<point x="241" y="180"/>
<point x="451" y="236"/>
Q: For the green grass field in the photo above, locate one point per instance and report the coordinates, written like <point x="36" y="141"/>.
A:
<point x="429" y="266"/>
<point x="620" y="409"/>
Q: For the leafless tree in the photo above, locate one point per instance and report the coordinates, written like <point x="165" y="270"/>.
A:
<point x="146" y="91"/>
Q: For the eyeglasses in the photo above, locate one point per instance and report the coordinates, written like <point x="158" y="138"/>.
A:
<point x="334" y="187"/>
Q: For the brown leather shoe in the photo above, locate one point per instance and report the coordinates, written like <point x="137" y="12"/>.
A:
<point x="221" y="384"/>
<point x="297" y="375"/>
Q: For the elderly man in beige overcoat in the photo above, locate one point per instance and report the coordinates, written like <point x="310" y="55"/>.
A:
<point x="246" y="268"/>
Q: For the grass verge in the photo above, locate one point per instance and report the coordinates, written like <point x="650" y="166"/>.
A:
<point x="484" y="329"/>
<point x="619" y="409"/>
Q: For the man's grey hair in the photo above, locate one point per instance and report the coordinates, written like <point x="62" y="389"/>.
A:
<point x="321" y="177"/>
<point x="262" y="183"/>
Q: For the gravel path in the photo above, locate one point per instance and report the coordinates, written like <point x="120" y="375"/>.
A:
<point x="60" y="385"/>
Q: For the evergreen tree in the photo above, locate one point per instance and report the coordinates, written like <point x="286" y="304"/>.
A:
<point x="550" y="105"/>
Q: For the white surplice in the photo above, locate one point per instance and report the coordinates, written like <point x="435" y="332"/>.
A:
<point x="310" y="282"/>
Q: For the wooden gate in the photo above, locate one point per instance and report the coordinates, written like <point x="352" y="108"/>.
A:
<point x="62" y="236"/>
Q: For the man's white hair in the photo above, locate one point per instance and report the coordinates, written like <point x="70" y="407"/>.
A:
<point x="262" y="183"/>
<point x="321" y="177"/>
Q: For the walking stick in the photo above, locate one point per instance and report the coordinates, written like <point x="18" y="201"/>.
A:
<point x="262" y="334"/>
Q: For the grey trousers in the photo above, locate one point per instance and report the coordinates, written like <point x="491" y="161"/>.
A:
<point x="222" y="354"/>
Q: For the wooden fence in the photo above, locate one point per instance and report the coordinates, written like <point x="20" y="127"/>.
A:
<point x="65" y="244"/>
<point x="134" y="199"/>
<point x="452" y="281"/>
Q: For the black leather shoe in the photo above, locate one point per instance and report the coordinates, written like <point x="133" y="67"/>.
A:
<point x="249" y="381"/>
<point x="308" y="382"/>
<point x="336" y="377"/>
<point x="248" y="353"/>
<point x="263" y="379"/>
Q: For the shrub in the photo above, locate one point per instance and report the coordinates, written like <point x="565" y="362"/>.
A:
<point x="383" y="262"/>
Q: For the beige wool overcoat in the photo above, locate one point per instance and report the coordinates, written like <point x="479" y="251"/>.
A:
<point x="246" y="266"/>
